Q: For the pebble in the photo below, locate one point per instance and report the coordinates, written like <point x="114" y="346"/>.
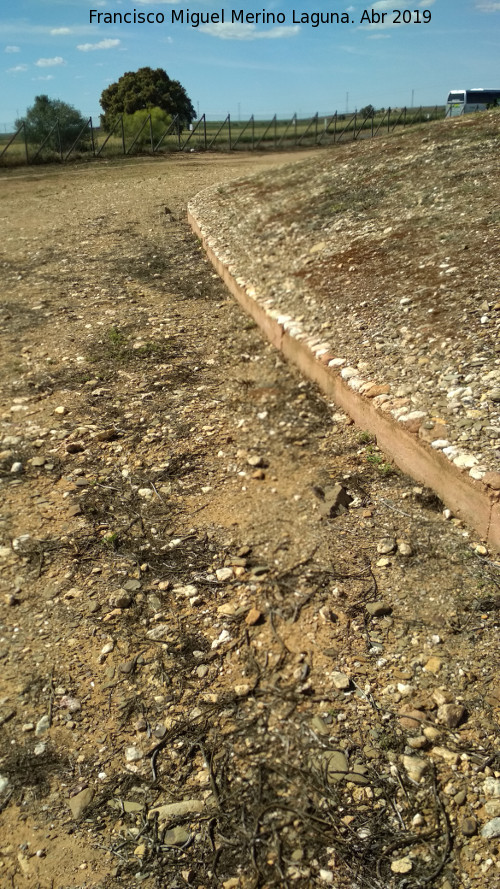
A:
<point x="133" y="754"/>
<point x="491" y="829"/>
<point x="108" y="648"/>
<point x="121" y="599"/>
<point x="402" y="865"/>
<point x="224" y="574"/>
<point x="468" y="827"/>
<point x="491" y="788"/>
<point x="80" y="802"/>
<point x="415" y="767"/>
<point x="42" y="726"/>
<point x="378" y="609"/>
<point x="253" y="617"/>
<point x="448" y="755"/>
<point x="336" y="765"/>
<point x="340" y="680"/>
<point x="451" y="715"/>
<point x="175" y="810"/>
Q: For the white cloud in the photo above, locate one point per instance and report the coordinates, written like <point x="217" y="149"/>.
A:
<point x="12" y="49"/>
<point x="45" y="77"/>
<point x="50" y="63"/>
<point x="103" y="44"/>
<point x="488" y="6"/>
<point x="17" y="68"/>
<point x="56" y="31"/>
<point x="239" y="31"/>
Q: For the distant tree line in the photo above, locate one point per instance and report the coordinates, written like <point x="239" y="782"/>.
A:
<point x="135" y="96"/>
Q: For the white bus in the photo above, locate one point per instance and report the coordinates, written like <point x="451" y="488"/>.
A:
<point x="466" y="101"/>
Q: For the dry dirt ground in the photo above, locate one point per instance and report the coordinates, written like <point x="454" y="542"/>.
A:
<point x="237" y="648"/>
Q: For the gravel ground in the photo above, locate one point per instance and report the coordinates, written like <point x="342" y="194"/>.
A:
<point x="237" y="647"/>
<point x="386" y="254"/>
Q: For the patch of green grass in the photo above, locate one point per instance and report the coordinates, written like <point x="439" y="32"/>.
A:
<point x="110" y="541"/>
<point x="366" y="438"/>
<point x="374" y="457"/>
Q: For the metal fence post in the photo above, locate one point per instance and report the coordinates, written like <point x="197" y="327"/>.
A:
<point x="25" y="143"/>
<point x="123" y="135"/>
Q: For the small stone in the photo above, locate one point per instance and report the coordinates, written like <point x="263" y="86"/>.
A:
<point x="448" y="755"/>
<point x="465" y="461"/>
<point x="468" y="827"/>
<point x="404" y="549"/>
<point x="253" y="617"/>
<point x="340" y="680"/>
<point x="257" y="462"/>
<point x="451" y="715"/>
<point x="224" y="574"/>
<point x="334" y="501"/>
<point x="140" y="850"/>
<point x="433" y="665"/>
<point x="133" y="754"/>
<point x="121" y="599"/>
<point x="460" y="798"/>
<point x="412" y="718"/>
<point x="42" y="726"/>
<point x="335" y="764"/>
<point x="377" y="389"/>
<point x="16" y="467"/>
<point x="108" y="648"/>
<point x="80" y="802"/>
<point x="202" y="671"/>
<point x="492" y="808"/>
<point x="388" y="545"/>
<point x="175" y="810"/>
<point x="4" y="783"/>
<point x="491" y="788"/>
<point x="441" y="696"/>
<point x="74" y="447"/>
<point x="412" y="421"/>
<point x="491" y="829"/>
<point x="415" y="767"/>
<point x="178" y="836"/>
<point x="61" y="410"/>
<point x="402" y="865"/>
<point x="378" y="609"/>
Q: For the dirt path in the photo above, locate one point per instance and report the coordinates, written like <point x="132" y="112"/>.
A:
<point x="215" y="591"/>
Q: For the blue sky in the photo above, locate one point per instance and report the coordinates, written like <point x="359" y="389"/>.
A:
<point x="244" y="68"/>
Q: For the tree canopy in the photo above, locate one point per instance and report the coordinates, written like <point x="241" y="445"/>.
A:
<point x="44" y="114"/>
<point x="144" y="89"/>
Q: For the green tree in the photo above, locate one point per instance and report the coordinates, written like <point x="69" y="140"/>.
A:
<point x="41" y="117"/>
<point x="367" y="111"/>
<point x="132" y="123"/>
<point x="145" y="89"/>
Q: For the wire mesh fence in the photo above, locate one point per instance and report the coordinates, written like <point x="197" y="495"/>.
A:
<point x="57" y="145"/>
